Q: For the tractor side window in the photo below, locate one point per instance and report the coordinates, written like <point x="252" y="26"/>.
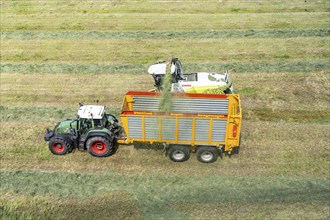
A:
<point x="86" y="124"/>
<point x="104" y="121"/>
<point x="89" y="124"/>
<point x="97" y="123"/>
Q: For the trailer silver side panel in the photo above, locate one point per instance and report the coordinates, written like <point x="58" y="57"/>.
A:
<point x="176" y="129"/>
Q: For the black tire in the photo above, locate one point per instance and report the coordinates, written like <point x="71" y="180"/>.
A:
<point x="99" y="146"/>
<point x="207" y="154"/>
<point x="59" y="146"/>
<point x="179" y="153"/>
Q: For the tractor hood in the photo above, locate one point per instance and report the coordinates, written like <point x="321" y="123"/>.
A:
<point x="64" y="126"/>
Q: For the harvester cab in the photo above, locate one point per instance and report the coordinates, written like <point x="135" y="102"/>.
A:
<point x="158" y="71"/>
<point x="93" y="130"/>
<point x="197" y="82"/>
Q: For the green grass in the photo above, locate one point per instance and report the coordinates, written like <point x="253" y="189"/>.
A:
<point x="163" y="7"/>
<point x="141" y="69"/>
<point x="128" y="51"/>
<point x="46" y="207"/>
<point x="153" y="193"/>
<point x="162" y="22"/>
<point x="296" y="91"/>
<point x="55" y="54"/>
<point x="305" y="116"/>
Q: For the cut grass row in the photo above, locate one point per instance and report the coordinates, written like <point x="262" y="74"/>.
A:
<point x="161" y="6"/>
<point x="160" y="196"/>
<point x="128" y="51"/>
<point x="116" y="204"/>
<point x="46" y="207"/>
<point x="141" y="69"/>
<point x="67" y="90"/>
<point x="161" y="22"/>
<point x="275" y="91"/>
<point x="166" y="35"/>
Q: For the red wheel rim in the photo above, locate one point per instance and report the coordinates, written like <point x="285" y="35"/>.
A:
<point x="58" y="147"/>
<point x="99" y="147"/>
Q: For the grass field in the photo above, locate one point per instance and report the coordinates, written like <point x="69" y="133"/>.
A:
<point x="55" y="54"/>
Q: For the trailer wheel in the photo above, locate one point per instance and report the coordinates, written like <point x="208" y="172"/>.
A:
<point x="207" y="154"/>
<point x="99" y="146"/>
<point x="178" y="153"/>
<point x="59" y="146"/>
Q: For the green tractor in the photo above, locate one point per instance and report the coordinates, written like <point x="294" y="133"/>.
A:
<point x="93" y="130"/>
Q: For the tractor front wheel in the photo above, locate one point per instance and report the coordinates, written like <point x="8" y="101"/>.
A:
<point x="99" y="146"/>
<point x="59" y="146"/>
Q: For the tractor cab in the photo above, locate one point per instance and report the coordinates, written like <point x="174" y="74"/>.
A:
<point x="91" y="117"/>
<point x="95" y="117"/>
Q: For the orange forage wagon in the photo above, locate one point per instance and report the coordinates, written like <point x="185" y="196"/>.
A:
<point x="208" y="124"/>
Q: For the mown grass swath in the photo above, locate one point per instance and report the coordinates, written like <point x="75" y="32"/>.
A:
<point x="64" y="21"/>
<point x="127" y="51"/>
<point x="139" y="69"/>
<point x="169" y="190"/>
<point x="215" y="34"/>
<point x="277" y="52"/>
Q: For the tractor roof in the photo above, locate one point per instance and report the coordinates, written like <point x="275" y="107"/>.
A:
<point x="91" y="111"/>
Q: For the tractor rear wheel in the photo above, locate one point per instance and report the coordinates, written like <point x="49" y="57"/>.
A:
<point x="59" y="146"/>
<point x="179" y="153"/>
<point x="207" y="154"/>
<point x="99" y="146"/>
